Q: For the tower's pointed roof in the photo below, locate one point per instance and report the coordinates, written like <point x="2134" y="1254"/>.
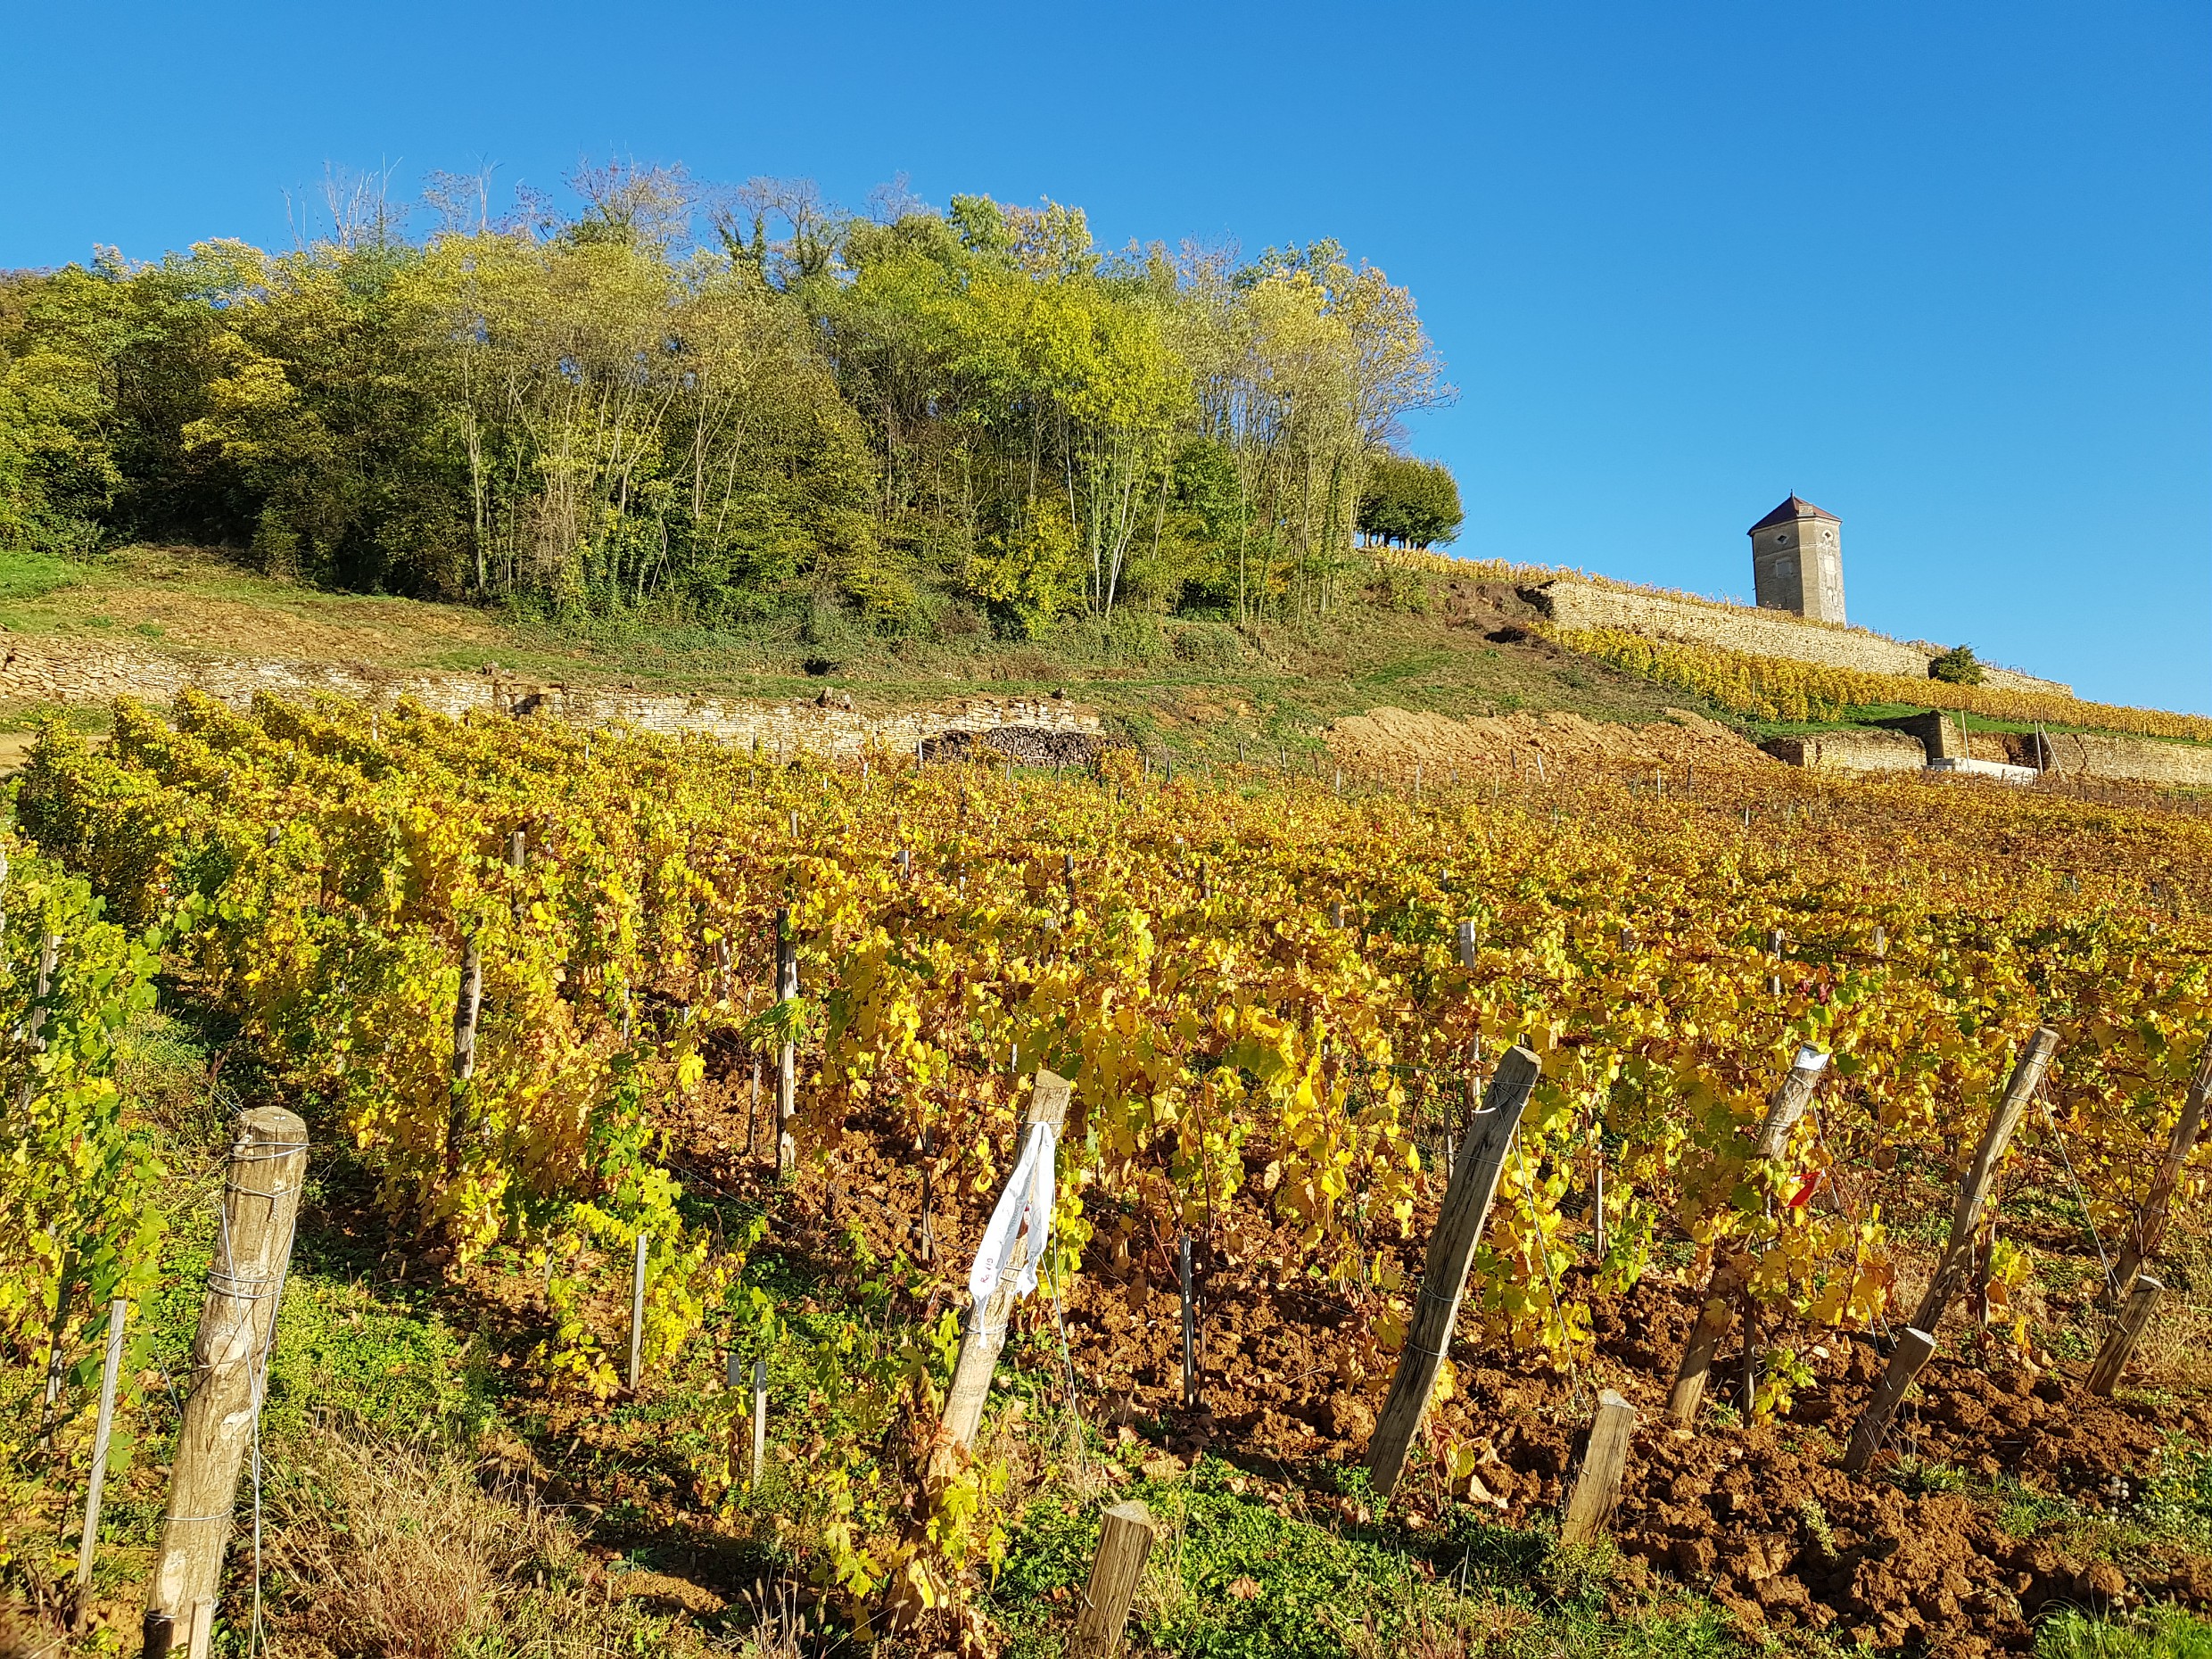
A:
<point x="1795" y="507"/>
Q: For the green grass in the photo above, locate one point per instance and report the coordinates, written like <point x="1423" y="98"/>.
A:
<point x="26" y="575"/>
<point x="1233" y="1577"/>
<point x="2159" y="1633"/>
<point x="1860" y="717"/>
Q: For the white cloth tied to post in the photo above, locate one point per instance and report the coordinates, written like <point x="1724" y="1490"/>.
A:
<point x="1025" y="1203"/>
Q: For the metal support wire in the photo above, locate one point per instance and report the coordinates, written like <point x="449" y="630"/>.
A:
<point x="2058" y="1140"/>
<point x="1067" y="1360"/>
<point x="1838" y="1197"/>
<point x="1543" y="1253"/>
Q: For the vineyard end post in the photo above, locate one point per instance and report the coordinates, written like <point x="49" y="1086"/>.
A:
<point x="2127" y="1329"/>
<point x="1125" y="1539"/>
<point x="238" y="1323"/>
<point x="1444" y="1270"/>
<point x="983" y="1333"/>
<point x="1597" y="1487"/>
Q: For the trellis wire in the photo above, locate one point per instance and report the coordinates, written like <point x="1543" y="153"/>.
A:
<point x="1543" y="1253"/>
<point x="2088" y="1220"/>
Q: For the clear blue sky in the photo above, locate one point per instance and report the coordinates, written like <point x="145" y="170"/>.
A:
<point x="1945" y="270"/>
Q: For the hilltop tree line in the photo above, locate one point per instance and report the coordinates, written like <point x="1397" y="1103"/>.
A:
<point x="736" y="407"/>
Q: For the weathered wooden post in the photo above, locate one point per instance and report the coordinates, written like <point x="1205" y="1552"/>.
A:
<point x="983" y="1332"/>
<point x="104" y="1430"/>
<point x="2150" y="1229"/>
<point x="1444" y="1270"/>
<point x="636" y="1308"/>
<point x="2119" y="1346"/>
<point x="1125" y="1539"/>
<point x="229" y="1361"/>
<point x="1597" y="1486"/>
<point x="1190" y="1325"/>
<point x="1958" y="1256"/>
<point x="760" y="1420"/>
<point x="1731" y="1273"/>
<point x="467" y="1005"/>
<point x="788" y="1056"/>
<point x="1915" y="1348"/>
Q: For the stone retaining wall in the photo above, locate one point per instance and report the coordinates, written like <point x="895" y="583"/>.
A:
<point x="36" y="670"/>
<point x="1851" y="751"/>
<point x="1572" y="604"/>
<point x="2133" y="760"/>
<point x="1908" y="746"/>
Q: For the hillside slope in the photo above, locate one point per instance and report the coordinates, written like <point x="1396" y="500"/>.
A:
<point x="1459" y="647"/>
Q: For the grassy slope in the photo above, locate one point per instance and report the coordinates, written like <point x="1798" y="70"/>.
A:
<point x="1196" y="687"/>
<point x="1192" y="685"/>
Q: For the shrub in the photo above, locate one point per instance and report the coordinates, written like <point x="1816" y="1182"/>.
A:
<point x="1956" y="666"/>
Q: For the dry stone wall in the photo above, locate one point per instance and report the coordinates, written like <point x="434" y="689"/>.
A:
<point x="1851" y="751"/>
<point x="2134" y="760"/>
<point x="1572" y="604"/>
<point x="43" y="671"/>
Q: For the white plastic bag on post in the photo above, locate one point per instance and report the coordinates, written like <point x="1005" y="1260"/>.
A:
<point x="1026" y="1201"/>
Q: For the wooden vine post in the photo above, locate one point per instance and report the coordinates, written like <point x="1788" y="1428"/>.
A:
<point x="788" y="1056"/>
<point x="2150" y="1229"/>
<point x="639" y="1258"/>
<point x="983" y="1332"/>
<point x="103" y="1434"/>
<point x="1444" y="1270"/>
<point x="1125" y="1539"/>
<point x="1190" y="1322"/>
<point x="2127" y="1329"/>
<point x="229" y="1361"/>
<point x="760" y="1420"/>
<point x="1597" y="1487"/>
<point x="1731" y="1273"/>
<point x="1959" y="1252"/>
<point x="467" y="1006"/>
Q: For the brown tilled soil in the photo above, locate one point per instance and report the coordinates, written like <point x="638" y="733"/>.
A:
<point x="1391" y="739"/>
<point x="1760" y="1518"/>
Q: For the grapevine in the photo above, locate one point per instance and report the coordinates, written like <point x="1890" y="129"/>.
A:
<point x="1253" y="982"/>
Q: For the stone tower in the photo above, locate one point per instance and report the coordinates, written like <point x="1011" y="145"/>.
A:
<point x="1797" y="561"/>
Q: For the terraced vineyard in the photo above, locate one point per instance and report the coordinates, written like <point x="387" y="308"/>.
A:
<point x="1277" y="1000"/>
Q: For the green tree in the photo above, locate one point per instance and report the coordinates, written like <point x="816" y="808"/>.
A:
<point x="1410" y="503"/>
